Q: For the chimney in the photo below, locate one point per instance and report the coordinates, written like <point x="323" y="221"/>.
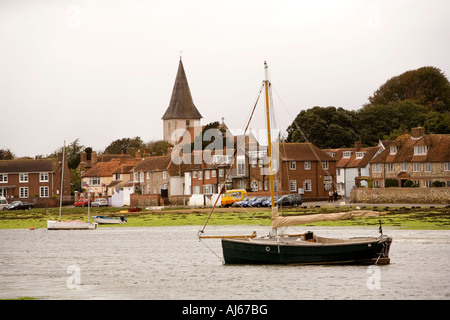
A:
<point x="83" y="157"/>
<point x="137" y="155"/>
<point x="417" y="132"/>
<point x="358" y="145"/>
<point x="93" y="158"/>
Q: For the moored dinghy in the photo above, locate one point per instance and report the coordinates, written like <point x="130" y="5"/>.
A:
<point x="109" y="220"/>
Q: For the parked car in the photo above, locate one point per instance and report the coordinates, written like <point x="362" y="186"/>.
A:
<point x="81" y="203"/>
<point x="240" y="202"/>
<point x="232" y="196"/>
<point x="100" y="202"/>
<point x="290" y="200"/>
<point x="20" y="205"/>
<point x="248" y="202"/>
<point x="3" y="203"/>
<point x="258" y="201"/>
<point x="268" y="202"/>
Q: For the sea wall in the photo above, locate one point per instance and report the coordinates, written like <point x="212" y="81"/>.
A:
<point x="401" y="195"/>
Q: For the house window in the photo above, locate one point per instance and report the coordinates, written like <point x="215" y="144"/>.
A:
<point x="194" y="174"/>
<point x="43" y="192"/>
<point x="196" y="189"/>
<point x="208" y="189"/>
<point x="359" y="172"/>
<point x="141" y="176"/>
<point x="446" y="167"/>
<point x="292" y="165"/>
<point x="377" y="167"/>
<point x="307" y="185"/>
<point x="393" y="150"/>
<point x="427" y="167"/>
<point x="95" y="181"/>
<point x="240" y="165"/>
<point x="221" y="173"/>
<point x="206" y="174"/>
<point x="346" y="154"/>
<point x="360" y="155"/>
<point x="136" y="177"/>
<point x="428" y="183"/>
<point x="213" y="173"/>
<point x="377" y="184"/>
<point x="117" y="176"/>
<point x="325" y="165"/>
<point x="23" y="177"/>
<point x="390" y="167"/>
<point x="275" y="185"/>
<point x="3" y="192"/>
<point x="420" y="150"/>
<point x="200" y="175"/>
<point x="307" y="165"/>
<point x="254" y="185"/>
<point x="416" y="167"/>
<point x="293" y="185"/>
<point x="164" y="174"/>
<point x="43" y="177"/>
<point x="338" y="172"/>
<point x="3" y="177"/>
<point x="403" y="166"/>
<point x="23" y="192"/>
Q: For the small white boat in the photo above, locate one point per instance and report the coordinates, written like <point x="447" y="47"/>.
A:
<point x="70" y="225"/>
<point x="109" y="220"/>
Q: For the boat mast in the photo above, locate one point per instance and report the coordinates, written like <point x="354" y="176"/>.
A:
<point x="62" y="180"/>
<point x="269" y="146"/>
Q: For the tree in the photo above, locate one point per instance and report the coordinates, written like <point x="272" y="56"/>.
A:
<point x="328" y="127"/>
<point x="126" y="145"/>
<point x="427" y="86"/>
<point x="6" y="154"/>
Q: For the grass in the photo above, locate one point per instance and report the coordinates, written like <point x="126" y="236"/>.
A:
<point x="432" y="218"/>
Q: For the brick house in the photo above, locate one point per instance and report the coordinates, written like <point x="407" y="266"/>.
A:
<point x="305" y="169"/>
<point x="37" y="181"/>
<point x="417" y="157"/>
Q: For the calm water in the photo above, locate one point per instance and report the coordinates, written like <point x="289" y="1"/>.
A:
<point x="170" y="263"/>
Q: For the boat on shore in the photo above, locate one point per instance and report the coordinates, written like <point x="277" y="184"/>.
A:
<point x="305" y="248"/>
<point x="109" y="220"/>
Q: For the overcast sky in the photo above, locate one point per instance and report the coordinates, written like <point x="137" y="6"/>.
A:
<point x="101" y="70"/>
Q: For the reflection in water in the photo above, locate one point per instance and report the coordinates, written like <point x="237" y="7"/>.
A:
<point x="170" y="263"/>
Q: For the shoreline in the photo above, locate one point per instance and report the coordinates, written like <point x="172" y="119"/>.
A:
<point x="402" y="216"/>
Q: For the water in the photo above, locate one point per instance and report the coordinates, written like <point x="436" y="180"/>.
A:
<point x="170" y="263"/>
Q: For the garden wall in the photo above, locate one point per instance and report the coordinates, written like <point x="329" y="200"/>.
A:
<point x="401" y="195"/>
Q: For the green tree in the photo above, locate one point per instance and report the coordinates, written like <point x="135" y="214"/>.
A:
<point x="6" y="154"/>
<point x="126" y="145"/>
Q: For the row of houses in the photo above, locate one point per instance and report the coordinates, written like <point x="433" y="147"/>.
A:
<point x="299" y="168"/>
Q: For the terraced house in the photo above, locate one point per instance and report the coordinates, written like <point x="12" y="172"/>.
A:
<point x="417" y="159"/>
<point x="37" y="181"/>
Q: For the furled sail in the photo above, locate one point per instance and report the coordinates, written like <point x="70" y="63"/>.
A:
<point x="286" y="221"/>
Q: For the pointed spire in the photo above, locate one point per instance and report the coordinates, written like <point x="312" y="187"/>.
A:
<point x="181" y="105"/>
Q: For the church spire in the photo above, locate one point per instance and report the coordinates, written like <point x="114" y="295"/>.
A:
<point x="181" y="105"/>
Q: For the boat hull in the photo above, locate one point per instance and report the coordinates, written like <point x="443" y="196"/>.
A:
<point x="71" y="225"/>
<point x="258" y="251"/>
<point x="109" y="220"/>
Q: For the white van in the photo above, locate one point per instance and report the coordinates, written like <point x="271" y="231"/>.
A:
<point x="3" y="203"/>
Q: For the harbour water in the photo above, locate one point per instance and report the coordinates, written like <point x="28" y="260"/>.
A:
<point x="171" y="263"/>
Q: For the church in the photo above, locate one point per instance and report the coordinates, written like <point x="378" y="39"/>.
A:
<point x="181" y="115"/>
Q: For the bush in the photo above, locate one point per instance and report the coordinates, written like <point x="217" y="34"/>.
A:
<point x="438" y="184"/>
<point x="389" y="183"/>
<point x="410" y="184"/>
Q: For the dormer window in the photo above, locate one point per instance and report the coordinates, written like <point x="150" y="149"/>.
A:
<point x="346" y="154"/>
<point x="360" y="155"/>
<point x="420" y="150"/>
<point x="393" y="149"/>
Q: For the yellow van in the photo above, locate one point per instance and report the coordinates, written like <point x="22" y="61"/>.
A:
<point x="231" y="196"/>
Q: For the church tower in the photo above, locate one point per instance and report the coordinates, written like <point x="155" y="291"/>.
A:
<point x="181" y="112"/>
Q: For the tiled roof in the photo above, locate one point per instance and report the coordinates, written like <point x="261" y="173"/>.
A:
<point x="438" y="149"/>
<point x="352" y="161"/>
<point x="302" y="152"/>
<point x="106" y="169"/>
<point x="28" y="165"/>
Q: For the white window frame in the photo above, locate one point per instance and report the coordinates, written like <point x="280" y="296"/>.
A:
<point x="95" y="181"/>
<point x="393" y="150"/>
<point x="346" y="154"/>
<point x="23" y="178"/>
<point x="427" y="166"/>
<point x="292" y="185"/>
<point x="240" y="165"/>
<point x="43" y="192"/>
<point x="200" y="175"/>
<point x="446" y="166"/>
<point x="420" y="150"/>
<point x="403" y="166"/>
<point x="325" y="165"/>
<point x="3" y="178"/>
<point x="213" y="173"/>
<point x="377" y="168"/>
<point x="43" y="177"/>
<point x="207" y="174"/>
<point x="389" y="167"/>
<point x="307" y="186"/>
<point x="307" y="165"/>
<point x="23" y="192"/>
<point x="292" y="165"/>
<point x="221" y="173"/>
<point x="360" y="155"/>
<point x="164" y="174"/>
<point x="416" y="166"/>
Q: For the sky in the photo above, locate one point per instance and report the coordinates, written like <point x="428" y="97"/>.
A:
<point x="103" y="70"/>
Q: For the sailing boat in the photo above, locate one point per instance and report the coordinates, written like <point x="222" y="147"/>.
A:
<point x="306" y="248"/>
<point x="69" y="224"/>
